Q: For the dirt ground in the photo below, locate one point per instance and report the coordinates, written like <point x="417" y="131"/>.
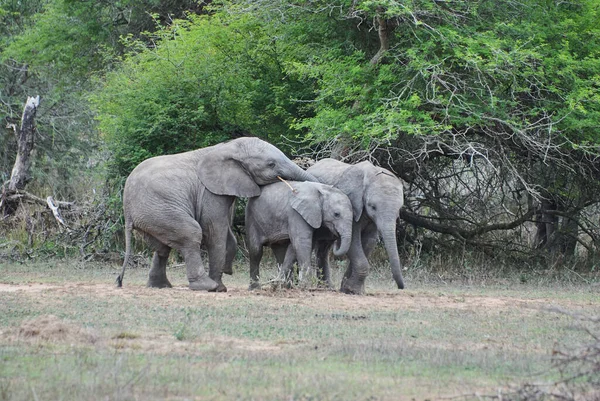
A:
<point x="318" y="298"/>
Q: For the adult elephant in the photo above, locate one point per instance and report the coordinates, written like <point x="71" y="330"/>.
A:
<point x="180" y="201"/>
<point x="376" y="196"/>
<point x="286" y="215"/>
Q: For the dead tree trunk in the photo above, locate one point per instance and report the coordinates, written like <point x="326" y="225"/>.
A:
<point x="25" y="141"/>
<point x="20" y="172"/>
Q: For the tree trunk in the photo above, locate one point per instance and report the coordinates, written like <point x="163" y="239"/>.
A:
<point x="384" y="39"/>
<point x="546" y="225"/>
<point x="25" y="141"/>
<point x="384" y="28"/>
<point x="569" y="231"/>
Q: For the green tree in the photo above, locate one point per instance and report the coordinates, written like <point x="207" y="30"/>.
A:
<point x="461" y="99"/>
<point x="206" y="80"/>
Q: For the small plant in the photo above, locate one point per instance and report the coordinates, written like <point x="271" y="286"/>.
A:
<point x="180" y="333"/>
<point x="182" y="328"/>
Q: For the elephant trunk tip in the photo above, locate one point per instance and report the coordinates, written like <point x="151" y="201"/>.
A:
<point x="119" y="281"/>
<point x="399" y="282"/>
<point x="342" y="244"/>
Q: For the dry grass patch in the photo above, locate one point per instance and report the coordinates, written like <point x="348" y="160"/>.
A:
<point x="51" y="329"/>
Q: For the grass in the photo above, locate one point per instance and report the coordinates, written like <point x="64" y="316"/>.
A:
<point x="435" y="339"/>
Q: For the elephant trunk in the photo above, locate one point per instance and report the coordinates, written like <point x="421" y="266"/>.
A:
<point x="297" y="174"/>
<point x="388" y="235"/>
<point x="342" y="245"/>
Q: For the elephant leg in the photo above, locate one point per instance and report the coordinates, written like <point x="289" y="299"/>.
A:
<point x="198" y="278"/>
<point x="220" y="241"/>
<point x="217" y="255"/>
<point x="322" y="253"/>
<point x="369" y="237"/>
<point x="230" y="253"/>
<point x="358" y="265"/>
<point x="303" y="248"/>
<point x="187" y="239"/>
<point x="279" y="250"/>
<point x="157" y="278"/>
<point x="231" y="244"/>
<point x="285" y="269"/>
<point x="255" y="253"/>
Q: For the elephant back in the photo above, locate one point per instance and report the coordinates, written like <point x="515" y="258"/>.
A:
<point x="328" y="171"/>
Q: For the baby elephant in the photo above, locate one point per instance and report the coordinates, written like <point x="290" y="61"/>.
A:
<point x="285" y="216"/>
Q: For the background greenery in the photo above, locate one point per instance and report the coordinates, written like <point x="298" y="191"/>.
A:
<point x="489" y="111"/>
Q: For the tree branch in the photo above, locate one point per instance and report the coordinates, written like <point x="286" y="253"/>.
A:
<point x="461" y="233"/>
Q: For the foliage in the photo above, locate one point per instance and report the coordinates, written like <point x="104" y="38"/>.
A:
<point x="53" y="48"/>
<point x="488" y="110"/>
<point x="459" y="96"/>
<point x="205" y="80"/>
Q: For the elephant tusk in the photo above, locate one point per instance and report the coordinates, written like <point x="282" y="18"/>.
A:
<point x="288" y="184"/>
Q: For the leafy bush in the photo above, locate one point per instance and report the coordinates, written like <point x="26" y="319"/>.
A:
<point x="205" y="81"/>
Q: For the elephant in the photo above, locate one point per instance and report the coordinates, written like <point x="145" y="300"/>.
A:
<point x="376" y="195"/>
<point x="286" y="215"/>
<point x="183" y="200"/>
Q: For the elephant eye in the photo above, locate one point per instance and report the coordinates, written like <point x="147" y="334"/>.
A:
<point x="271" y="164"/>
<point x="336" y="214"/>
<point x="373" y="207"/>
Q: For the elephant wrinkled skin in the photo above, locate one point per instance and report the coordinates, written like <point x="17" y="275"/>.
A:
<point x="286" y="215"/>
<point x="376" y="196"/>
<point x="181" y="201"/>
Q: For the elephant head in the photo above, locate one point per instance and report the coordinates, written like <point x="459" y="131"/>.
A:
<point x="324" y="205"/>
<point x="239" y="167"/>
<point x="378" y="193"/>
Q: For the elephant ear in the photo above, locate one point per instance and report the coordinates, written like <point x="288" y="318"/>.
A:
<point x="353" y="183"/>
<point x="308" y="203"/>
<point x="222" y="174"/>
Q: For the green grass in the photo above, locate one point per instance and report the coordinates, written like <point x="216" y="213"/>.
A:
<point x="432" y="340"/>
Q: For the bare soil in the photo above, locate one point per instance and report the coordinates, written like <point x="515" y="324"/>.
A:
<point x="317" y="298"/>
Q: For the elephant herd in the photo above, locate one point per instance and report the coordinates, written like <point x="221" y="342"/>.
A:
<point x="186" y="200"/>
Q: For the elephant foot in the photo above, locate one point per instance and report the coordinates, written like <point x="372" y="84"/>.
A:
<point x="325" y="284"/>
<point x="277" y="285"/>
<point x="352" y="288"/>
<point x="220" y="288"/>
<point x="158" y="283"/>
<point x="307" y="279"/>
<point x="255" y="285"/>
<point x="204" y="284"/>
<point x="352" y="291"/>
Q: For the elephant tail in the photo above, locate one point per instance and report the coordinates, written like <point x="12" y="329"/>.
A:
<point x="128" y="232"/>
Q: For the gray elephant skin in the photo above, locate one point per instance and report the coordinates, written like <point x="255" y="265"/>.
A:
<point x="184" y="200"/>
<point x="376" y="195"/>
<point x="286" y="215"/>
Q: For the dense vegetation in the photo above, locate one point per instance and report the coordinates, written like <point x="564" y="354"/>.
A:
<point x="489" y="111"/>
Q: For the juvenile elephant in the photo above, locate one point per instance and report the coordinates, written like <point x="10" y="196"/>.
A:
<point x="376" y="196"/>
<point x="286" y="216"/>
<point x="178" y="201"/>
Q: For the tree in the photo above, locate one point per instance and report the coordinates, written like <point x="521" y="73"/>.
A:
<point x="488" y="110"/>
<point x="205" y="80"/>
